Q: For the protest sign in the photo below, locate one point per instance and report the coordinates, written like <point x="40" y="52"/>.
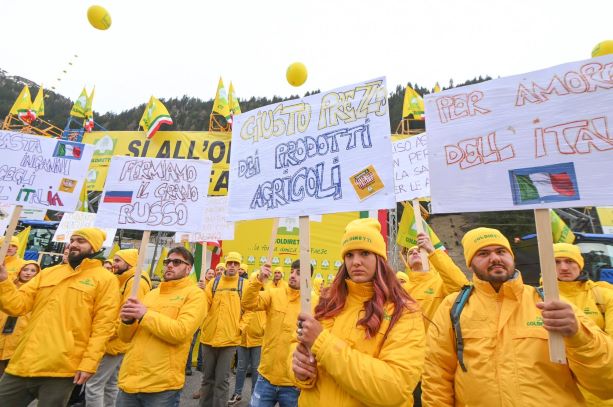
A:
<point x="30" y="214"/>
<point x="329" y="152"/>
<point x="43" y="173"/>
<point x="216" y="225"/>
<point x="411" y="175"/>
<point x="77" y="220"/>
<point x="154" y="194"/>
<point x="539" y="140"/>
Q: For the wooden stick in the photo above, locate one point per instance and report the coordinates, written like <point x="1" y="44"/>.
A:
<point x="10" y="230"/>
<point x="273" y="239"/>
<point x="557" y="351"/>
<point x="419" y="225"/>
<point x="203" y="267"/>
<point x="142" y="251"/>
<point x="305" y="264"/>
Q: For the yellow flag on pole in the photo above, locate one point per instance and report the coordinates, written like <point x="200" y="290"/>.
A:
<point x="38" y="106"/>
<point x="78" y="108"/>
<point x="233" y="101"/>
<point x="159" y="266"/>
<point x="114" y="250"/>
<point x="22" y="108"/>
<point x="88" y="123"/>
<point x="413" y="104"/>
<point x="560" y="230"/>
<point x="220" y="105"/>
<point x="154" y="116"/>
<point x="407" y="230"/>
<point x="23" y="237"/>
<point x="437" y="88"/>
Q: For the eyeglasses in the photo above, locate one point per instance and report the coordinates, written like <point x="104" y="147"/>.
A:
<point x="175" y="262"/>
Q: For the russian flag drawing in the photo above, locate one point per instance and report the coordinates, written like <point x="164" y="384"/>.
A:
<point x="118" y="197"/>
<point x="544" y="184"/>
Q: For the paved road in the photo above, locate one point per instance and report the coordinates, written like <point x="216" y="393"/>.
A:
<point x="192" y="384"/>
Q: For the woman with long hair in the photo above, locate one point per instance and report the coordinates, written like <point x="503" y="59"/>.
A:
<point x="365" y="344"/>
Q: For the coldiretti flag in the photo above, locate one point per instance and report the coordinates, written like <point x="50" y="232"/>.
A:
<point x="23" y="105"/>
<point x="38" y="106"/>
<point x="549" y="183"/>
<point x="83" y="204"/>
<point x="407" y="231"/>
<point x="233" y="102"/>
<point x="159" y="266"/>
<point x="221" y="105"/>
<point x="413" y="104"/>
<point x="88" y="123"/>
<point x="78" y="108"/>
<point x="437" y="88"/>
<point x="154" y="116"/>
<point x="23" y="237"/>
<point x="560" y="230"/>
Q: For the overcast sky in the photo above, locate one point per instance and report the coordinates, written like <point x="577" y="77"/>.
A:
<point x="181" y="47"/>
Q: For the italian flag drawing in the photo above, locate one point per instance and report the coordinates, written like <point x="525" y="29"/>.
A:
<point x="551" y="183"/>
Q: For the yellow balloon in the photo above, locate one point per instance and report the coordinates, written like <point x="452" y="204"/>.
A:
<point x="603" y="48"/>
<point x="296" y="74"/>
<point x="99" y="18"/>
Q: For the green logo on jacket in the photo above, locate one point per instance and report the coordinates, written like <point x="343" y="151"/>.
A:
<point x="588" y="311"/>
<point x="429" y="291"/>
<point x="177" y="298"/>
<point x="88" y="282"/>
<point x="538" y="321"/>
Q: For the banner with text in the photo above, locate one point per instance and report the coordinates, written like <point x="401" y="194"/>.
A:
<point x="538" y="140"/>
<point x="77" y="220"/>
<point x="154" y="194"/>
<point x="411" y="175"/>
<point x="329" y="152"/>
<point x="216" y="225"/>
<point x="189" y="145"/>
<point x="40" y="172"/>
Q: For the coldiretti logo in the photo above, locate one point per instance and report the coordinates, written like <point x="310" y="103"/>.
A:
<point x="429" y="291"/>
<point x="357" y="238"/>
<point x="386" y="316"/>
<point x="177" y="298"/>
<point x="486" y="236"/>
<point x="88" y="282"/>
<point x="538" y="321"/>
<point x="588" y="311"/>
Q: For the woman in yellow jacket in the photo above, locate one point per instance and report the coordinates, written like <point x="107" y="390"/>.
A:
<point x="13" y="327"/>
<point x="595" y="301"/>
<point x="365" y="344"/>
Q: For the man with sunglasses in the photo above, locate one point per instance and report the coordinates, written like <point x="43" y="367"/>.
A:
<point x="159" y="330"/>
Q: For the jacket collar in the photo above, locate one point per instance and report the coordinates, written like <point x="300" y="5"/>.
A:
<point x="87" y="264"/>
<point x="360" y="292"/>
<point x="570" y="288"/>
<point x="292" y="295"/>
<point x="512" y="288"/>
<point x="170" y="286"/>
<point x="123" y="277"/>
<point x="421" y="276"/>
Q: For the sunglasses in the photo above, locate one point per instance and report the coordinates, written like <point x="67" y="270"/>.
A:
<point x="175" y="262"/>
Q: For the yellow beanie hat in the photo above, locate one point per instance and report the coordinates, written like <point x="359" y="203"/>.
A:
<point x="25" y="263"/>
<point x="278" y="269"/>
<point x="244" y="266"/>
<point x="94" y="236"/>
<point x="478" y="238"/>
<point x="569" y="251"/>
<point x="234" y="256"/>
<point x="363" y="234"/>
<point x="130" y="256"/>
<point x="401" y="275"/>
<point x="14" y="241"/>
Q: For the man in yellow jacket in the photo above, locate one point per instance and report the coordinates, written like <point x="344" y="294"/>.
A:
<point x="220" y="332"/>
<point x="282" y="306"/>
<point x="12" y="261"/>
<point x="595" y="301"/>
<point x="73" y="311"/>
<point x="101" y="389"/>
<point x="159" y="331"/>
<point x="277" y="278"/>
<point x="496" y="354"/>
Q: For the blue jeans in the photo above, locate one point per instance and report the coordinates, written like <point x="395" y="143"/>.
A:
<point x="266" y="395"/>
<point x="188" y="366"/>
<point x="246" y="355"/>
<point x="168" y="398"/>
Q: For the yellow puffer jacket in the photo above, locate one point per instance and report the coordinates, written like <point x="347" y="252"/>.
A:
<point x="73" y="313"/>
<point x="593" y="300"/>
<point x="220" y="327"/>
<point x="116" y="346"/>
<point x="159" y="343"/>
<point x="279" y="284"/>
<point x="354" y="371"/>
<point x="13" y="265"/>
<point x="282" y="306"/>
<point x="252" y="326"/>
<point x="8" y="342"/>
<point x="506" y="354"/>
<point x="431" y="287"/>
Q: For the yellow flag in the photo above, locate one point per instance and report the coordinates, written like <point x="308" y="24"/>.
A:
<point x="154" y="116"/>
<point x="78" y="108"/>
<point x="560" y="230"/>
<point x="114" y="250"/>
<point x="437" y="88"/>
<point x="221" y="105"/>
<point x="38" y="106"/>
<point x="83" y="204"/>
<point x="233" y="102"/>
<point x="22" y="107"/>
<point x="407" y="231"/>
<point x="413" y="104"/>
<point x="88" y="123"/>
<point x="159" y="266"/>
<point x="23" y="237"/>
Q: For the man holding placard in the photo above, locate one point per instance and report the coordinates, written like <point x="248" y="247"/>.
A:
<point x="494" y="352"/>
<point x="101" y="389"/>
<point x="12" y="261"/>
<point x="73" y="310"/>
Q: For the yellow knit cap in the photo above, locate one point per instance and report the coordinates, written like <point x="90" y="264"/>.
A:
<point x="31" y="262"/>
<point x="244" y="266"/>
<point x="234" y="256"/>
<point x="130" y="256"/>
<point x="278" y="270"/>
<point x="569" y="251"/>
<point x="478" y="238"/>
<point x="364" y="234"/>
<point x="94" y="236"/>
<point x="401" y="275"/>
<point x="14" y="241"/>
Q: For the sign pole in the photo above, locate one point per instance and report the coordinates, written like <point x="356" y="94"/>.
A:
<point x="305" y="264"/>
<point x="203" y="260"/>
<point x="557" y="351"/>
<point x="142" y="251"/>
<point x="273" y="239"/>
<point x="419" y="224"/>
<point x="10" y="231"/>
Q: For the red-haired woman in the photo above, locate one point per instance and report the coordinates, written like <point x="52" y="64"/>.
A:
<point x="365" y="344"/>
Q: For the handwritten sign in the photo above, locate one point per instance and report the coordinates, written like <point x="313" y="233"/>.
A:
<point x="539" y="140"/>
<point x="216" y="225"/>
<point x="411" y="174"/>
<point x="77" y="220"/>
<point x="40" y="172"/>
<point x="329" y="152"/>
<point x="155" y="194"/>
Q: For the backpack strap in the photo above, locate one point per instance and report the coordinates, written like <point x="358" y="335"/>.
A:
<point x="142" y="277"/>
<point x="540" y="292"/>
<point x="238" y="288"/>
<point x="454" y="313"/>
<point x="215" y="284"/>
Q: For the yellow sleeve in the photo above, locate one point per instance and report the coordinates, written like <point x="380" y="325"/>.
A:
<point x="245" y="320"/>
<point x="386" y="380"/>
<point x="437" y="383"/>
<point x="20" y="301"/>
<point x="607" y="299"/>
<point x="106" y="309"/>
<point x="590" y="357"/>
<point x="254" y="299"/>
<point x="126" y="332"/>
<point x="453" y="277"/>
<point x="177" y="331"/>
